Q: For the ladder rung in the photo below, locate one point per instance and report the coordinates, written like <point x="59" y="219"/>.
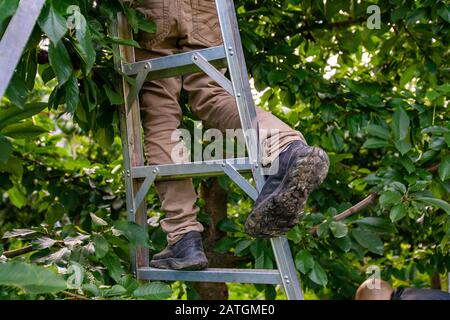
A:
<point x="191" y="169"/>
<point x="177" y="64"/>
<point x="266" y="276"/>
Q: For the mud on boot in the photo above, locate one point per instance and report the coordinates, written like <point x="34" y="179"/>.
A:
<point x="280" y="204"/>
<point x="185" y="254"/>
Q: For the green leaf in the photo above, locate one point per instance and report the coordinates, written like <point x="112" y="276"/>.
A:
<point x="390" y="197"/>
<point x="17" y="196"/>
<point x="377" y="223"/>
<point x="91" y="288"/>
<point x="53" y="24"/>
<point x="322" y="231"/>
<point x="7" y="9"/>
<point x="18" y="233"/>
<point x="378" y="131"/>
<point x="114" y="97"/>
<point x="276" y="76"/>
<point x="153" y="291"/>
<point x="84" y="46"/>
<point x="114" y="291"/>
<point x="97" y="220"/>
<point x="444" y="12"/>
<point x="318" y="275"/>
<point x="407" y="75"/>
<point x="6" y="149"/>
<point x="224" y="245"/>
<point x="124" y="42"/>
<point x="241" y="246"/>
<point x="60" y="62"/>
<point x="132" y="18"/>
<point x="25" y="130"/>
<point x="344" y="243"/>
<point x="129" y="283"/>
<point x="13" y="166"/>
<point x="32" y="278"/>
<point x="17" y="90"/>
<point x="435" y="130"/>
<point x="373" y="143"/>
<point x="435" y="202"/>
<point x="397" y="212"/>
<point x="144" y="24"/>
<point x="112" y="263"/>
<point x="304" y="261"/>
<point x="368" y="240"/>
<point x="444" y="168"/>
<point x="43" y="243"/>
<point x="407" y="164"/>
<point x="54" y="213"/>
<point x="31" y="68"/>
<point x="135" y="233"/>
<point x="72" y="94"/>
<point x="101" y="246"/>
<point x="47" y="74"/>
<point x="339" y="229"/>
<point x="105" y="136"/>
<point x="228" y="225"/>
<point x="403" y="146"/>
<point x="447" y="139"/>
<point x="400" y="123"/>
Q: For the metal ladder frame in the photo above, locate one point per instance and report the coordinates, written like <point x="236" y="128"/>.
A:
<point x="15" y="39"/>
<point x="139" y="178"/>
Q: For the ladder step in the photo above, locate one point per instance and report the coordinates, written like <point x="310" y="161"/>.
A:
<point x="263" y="276"/>
<point x="177" y="64"/>
<point x="191" y="169"/>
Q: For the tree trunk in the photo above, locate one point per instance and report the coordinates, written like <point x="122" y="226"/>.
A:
<point x="216" y="206"/>
<point x="436" y="281"/>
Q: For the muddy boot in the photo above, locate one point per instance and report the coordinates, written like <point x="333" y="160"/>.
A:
<point x="186" y="254"/>
<point x="280" y="204"/>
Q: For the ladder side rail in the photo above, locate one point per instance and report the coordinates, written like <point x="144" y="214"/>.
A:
<point x="15" y="39"/>
<point x="247" y="112"/>
<point x="241" y="85"/>
<point x="132" y="147"/>
<point x="285" y="263"/>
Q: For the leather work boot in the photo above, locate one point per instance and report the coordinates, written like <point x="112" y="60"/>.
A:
<point x="186" y="254"/>
<point x="279" y="206"/>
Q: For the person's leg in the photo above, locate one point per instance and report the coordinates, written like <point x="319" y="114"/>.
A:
<point x="301" y="168"/>
<point x="210" y="102"/>
<point x="161" y="116"/>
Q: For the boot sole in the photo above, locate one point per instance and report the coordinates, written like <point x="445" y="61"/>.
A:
<point x="282" y="211"/>
<point x="178" y="264"/>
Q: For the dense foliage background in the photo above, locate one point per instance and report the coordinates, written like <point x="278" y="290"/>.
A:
<point x="375" y="99"/>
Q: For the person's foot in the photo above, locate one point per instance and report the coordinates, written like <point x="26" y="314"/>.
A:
<point x="280" y="204"/>
<point x="186" y="254"/>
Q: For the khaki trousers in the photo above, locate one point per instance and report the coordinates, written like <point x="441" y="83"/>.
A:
<point x="185" y="25"/>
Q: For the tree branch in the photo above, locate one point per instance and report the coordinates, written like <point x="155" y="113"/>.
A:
<point x="333" y="25"/>
<point x="433" y="167"/>
<point x="75" y="296"/>
<point x="370" y="199"/>
<point x="18" y="252"/>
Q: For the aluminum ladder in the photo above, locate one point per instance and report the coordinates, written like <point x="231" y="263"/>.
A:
<point x="139" y="178"/>
<point x="15" y="39"/>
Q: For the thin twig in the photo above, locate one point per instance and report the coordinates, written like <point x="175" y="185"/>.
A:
<point x="433" y="167"/>
<point x="370" y="199"/>
<point x="418" y="44"/>
<point x="18" y="252"/>
<point x="74" y="295"/>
